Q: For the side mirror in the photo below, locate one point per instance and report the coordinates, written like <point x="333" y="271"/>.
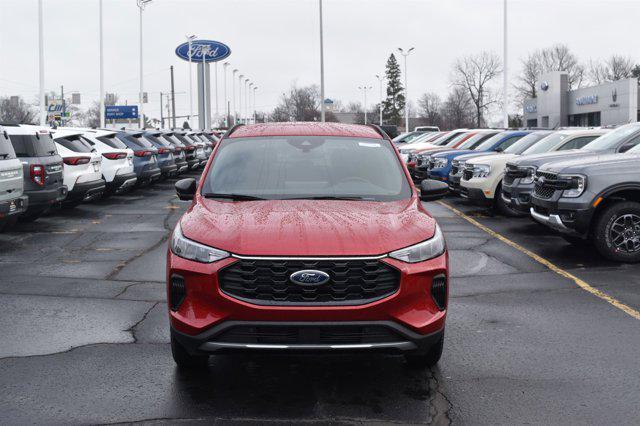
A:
<point x="186" y="189"/>
<point x="431" y="190"/>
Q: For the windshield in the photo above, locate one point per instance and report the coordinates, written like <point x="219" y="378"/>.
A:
<point x="112" y="141"/>
<point x="611" y="139"/>
<point x="475" y="140"/>
<point x="32" y="146"/>
<point x="490" y="142"/>
<point x="140" y="141"/>
<point x="442" y="140"/>
<point x="158" y="139"/>
<point x="307" y="167"/>
<point x="546" y="144"/>
<point x="456" y="140"/>
<point x="525" y="143"/>
<point x="6" y="149"/>
<point x="75" y="143"/>
<point x="407" y="137"/>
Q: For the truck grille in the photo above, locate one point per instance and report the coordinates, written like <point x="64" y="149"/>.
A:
<point x="467" y="174"/>
<point x="546" y="184"/>
<point x="266" y="281"/>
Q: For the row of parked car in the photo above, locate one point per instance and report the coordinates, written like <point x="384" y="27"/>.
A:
<point x="42" y="168"/>
<point x="583" y="183"/>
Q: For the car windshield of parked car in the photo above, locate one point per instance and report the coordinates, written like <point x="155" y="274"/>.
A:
<point x="474" y="140"/>
<point x="158" y="139"/>
<point x="113" y="141"/>
<point x="525" y="143"/>
<point x="456" y="140"/>
<point x="33" y="146"/>
<point x="613" y="138"/>
<point x="75" y="143"/>
<point x="6" y="149"/>
<point x="140" y="141"/>
<point x="490" y="142"/>
<point x="305" y="167"/>
<point x="546" y="144"/>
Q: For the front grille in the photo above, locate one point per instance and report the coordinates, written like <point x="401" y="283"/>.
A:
<point x="467" y="174"/>
<point x="310" y="335"/>
<point x="432" y="164"/>
<point x="546" y="184"/>
<point x="266" y="281"/>
<point x="454" y="169"/>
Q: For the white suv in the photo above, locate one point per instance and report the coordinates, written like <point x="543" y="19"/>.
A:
<point x="82" y="169"/>
<point x="117" y="158"/>
<point x="482" y="175"/>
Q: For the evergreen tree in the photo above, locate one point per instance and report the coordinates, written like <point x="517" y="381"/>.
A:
<point x="393" y="106"/>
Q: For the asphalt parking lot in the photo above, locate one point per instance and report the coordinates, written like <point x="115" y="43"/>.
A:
<point x="86" y="338"/>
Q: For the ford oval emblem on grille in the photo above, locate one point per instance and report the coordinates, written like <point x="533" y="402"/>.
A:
<point x="309" y="277"/>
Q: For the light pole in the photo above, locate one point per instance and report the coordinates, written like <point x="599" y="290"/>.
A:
<point x="205" y="50"/>
<point x="406" y="89"/>
<point x="364" y="89"/>
<point x="322" y="106"/>
<point x="240" y="77"/>
<point x="249" y="102"/>
<point x="102" y="119"/>
<point x="226" y="102"/>
<point x="233" y="95"/>
<point x="254" y="103"/>
<point x="505" y="87"/>
<point x="380" y="80"/>
<point x="215" y="92"/>
<point x="43" y="107"/>
<point x="141" y="5"/>
<point x="190" y="39"/>
<point x="246" y="100"/>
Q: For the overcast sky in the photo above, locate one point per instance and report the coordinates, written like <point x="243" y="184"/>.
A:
<point x="275" y="42"/>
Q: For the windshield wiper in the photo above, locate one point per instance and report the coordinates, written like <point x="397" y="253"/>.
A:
<point x="238" y="197"/>
<point x="331" y="197"/>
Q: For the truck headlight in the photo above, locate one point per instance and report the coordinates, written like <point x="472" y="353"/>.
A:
<point x="481" y="170"/>
<point x="440" y="163"/>
<point x="528" y="179"/>
<point x="577" y="185"/>
<point x="187" y="249"/>
<point x="433" y="247"/>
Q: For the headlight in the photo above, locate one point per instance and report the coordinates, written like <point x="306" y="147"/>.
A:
<point x="481" y="170"/>
<point x="577" y="186"/>
<point x="420" y="252"/>
<point x="440" y="163"/>
<point x="531" y="172"/>
<point x="187" y="249"/>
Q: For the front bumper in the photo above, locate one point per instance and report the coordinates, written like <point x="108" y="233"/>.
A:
<point x="518" y="196"/>
<point x="13" y="207"/>
<point x="87" y="191"/>
<point x="441" y="175"/>
<point x="454" y="183"/>
<point x="475" y="195"/>
<point x="571" y="217"/>
<point x="206" y="307"/>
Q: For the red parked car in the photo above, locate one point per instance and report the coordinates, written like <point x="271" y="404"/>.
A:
<point x="306" y="237"/>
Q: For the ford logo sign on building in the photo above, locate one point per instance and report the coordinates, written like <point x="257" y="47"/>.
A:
<point x="309" y="277"/>
<point x="213" y="51"/>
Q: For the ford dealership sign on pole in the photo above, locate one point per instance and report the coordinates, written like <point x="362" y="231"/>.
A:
<point x="202" y="52"/>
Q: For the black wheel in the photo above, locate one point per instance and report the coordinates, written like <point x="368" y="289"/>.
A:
<point x="184" y="359"/>
<point x="7" y="224"/>
<point x="426" y="360"/>
<point x="616" y="234"/>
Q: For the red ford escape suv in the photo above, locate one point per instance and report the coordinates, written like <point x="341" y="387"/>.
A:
<point x="306" y="237"/>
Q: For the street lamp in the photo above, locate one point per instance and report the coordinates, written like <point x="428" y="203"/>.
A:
<point x="406" y="89"/>
<point x="380" y="80"/>
<point x="254" y="103"/>
<point x="141" y="6"/>
<point x="204" y="50"/>
<point x="364" y="89"/>
<point x="322" y="105"/>
<point x="240" y="77"/>
<point x="246" y="100"/>
<point x="505" y="87"/>
<point x="190" y="38"/>
<point x="226" y="102"/>
<point x="43" y="107"/>
<point x="249" y="102"/>
<point x="233" y="84"/>
<point x="102" y="119"/>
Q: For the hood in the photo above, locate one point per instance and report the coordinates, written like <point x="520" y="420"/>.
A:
<point x="592" y="164"/>
<point x="453" y="153"/>
<point x="307" y="227"/>
<point x="547" y="157"/>
<point x="473" y="154"/>
<point x="491" y="159"/>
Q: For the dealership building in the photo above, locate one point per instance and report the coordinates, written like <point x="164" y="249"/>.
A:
<point x="603" y="105"/>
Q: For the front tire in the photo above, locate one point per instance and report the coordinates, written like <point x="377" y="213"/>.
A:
<point x="184" y="359"/>
<point x="428" y="359"/>
<point x="616" y="234"/>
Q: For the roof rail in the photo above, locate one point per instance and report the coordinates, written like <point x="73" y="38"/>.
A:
<point x="232" y="129"/>
<point x="379" y="130"/>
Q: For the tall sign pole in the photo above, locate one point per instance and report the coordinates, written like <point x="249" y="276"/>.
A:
<point x="322" y="106"/>
<point x="102" y="119"/>
<point x="505" y="77"/>
<point x="43" y="106"/>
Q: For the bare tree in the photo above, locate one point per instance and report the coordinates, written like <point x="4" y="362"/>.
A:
<point x="527" y="82"/>
<point x="429" y="107"/>
<point x="475" y="73"/>
<point x="15" y="109"/>
<point x="457" y="111"/>
<point x="616" y="67"/>
<point x="91" y="117"/>
<point x="300" y="104"/>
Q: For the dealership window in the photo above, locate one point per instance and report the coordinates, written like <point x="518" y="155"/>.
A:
<point x="532" y="123"/>
<point x="589" y="119"/>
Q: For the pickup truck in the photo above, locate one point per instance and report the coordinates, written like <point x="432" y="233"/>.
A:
<point x="595" y="199"/>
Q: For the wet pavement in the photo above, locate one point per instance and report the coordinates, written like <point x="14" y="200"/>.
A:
<point x="85" y="336"/>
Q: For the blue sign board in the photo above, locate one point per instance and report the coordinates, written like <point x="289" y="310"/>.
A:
<point x="213" y="51"/>
<point x="114" y="112"/>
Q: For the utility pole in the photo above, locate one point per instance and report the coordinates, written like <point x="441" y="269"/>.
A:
<point x="406" y="88"/>
<point x="364" y="89"/>
<point x="226" y="102"/>
<point x="322" y="105"/>
<point x="505" y="77"/>
<point x="161" y="111"/>
<point x="380" y="80"/>
<point x="240" y="77"/>
<point x="43" y="106"/>
<point x="190" y="39"/>
<point x="102" y="119"/>
<point x="64" y="105"/>
<point x="173" y="99"/>
<point x="233" y="96"/>
<point x="141" y="5"/>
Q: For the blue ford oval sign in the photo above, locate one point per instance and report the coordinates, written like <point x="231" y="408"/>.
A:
<point x="309" y="277"/>
<point x="212" y="51"/>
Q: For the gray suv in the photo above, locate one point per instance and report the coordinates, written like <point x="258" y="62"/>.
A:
<point x="12" y="200"/>
<point x="41" y="166"/>
<point x="595" y="199"/>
